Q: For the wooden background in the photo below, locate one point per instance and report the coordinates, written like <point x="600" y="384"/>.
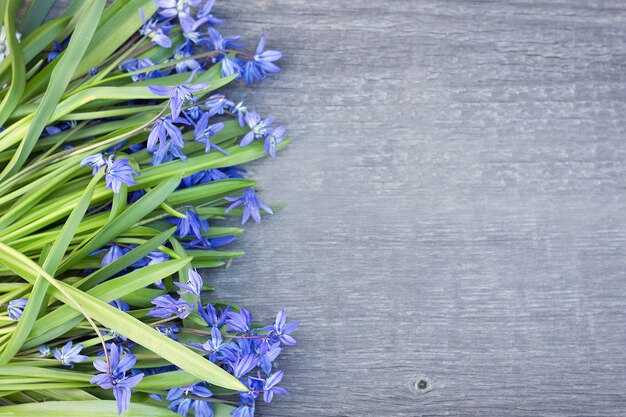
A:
<point x="454" y="239"/>
<point x="456" y="205"/>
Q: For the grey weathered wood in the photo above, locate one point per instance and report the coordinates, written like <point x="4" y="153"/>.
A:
<point x="456" y="206"/>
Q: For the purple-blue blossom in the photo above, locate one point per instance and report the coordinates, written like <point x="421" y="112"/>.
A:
<point x="115" y="376"/>
<point x="167" y="306"/>
<point x="95" y="162"/>
<point x="44" y="351"/>
<point x="282" y="330"/>
<point x="217" y="103"/>
<point x="69" y="354"/>
<point x="262" y="63"/>
<point x="179" y="93"/>
<point x="119" y="172"/>
<point x="270" y="387"/>
<point x="113" y="254"/>
<point x="252" y="205"/>
<point x="193" y="285"/>
<point x="239" y="322"/>
<point x="184" y="398"/>
<point x="211" y="316"/>
<point x="163" y="128"/>
<point x="272" y="140"/>
<point x="155" y="32"/>
<point x="259" y="128"/>
<point x="16" y="308"/>
<point x="191" y="224"/>
<point x="203" y="133"/>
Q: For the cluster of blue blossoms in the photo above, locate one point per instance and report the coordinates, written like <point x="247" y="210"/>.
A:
<point x="231" y="340"/>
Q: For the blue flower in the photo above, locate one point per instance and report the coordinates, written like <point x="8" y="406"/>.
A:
<point x="95" y="162"/>
<point x="246" y="409"/>
<point x="239" y="322"/>
<point x="113" y="254"/>
<point x="163" y="128"/>
<point x="273" y="139"/>
<point x="181" y="403"/>
<point x="179" y="93"/>
<point x="120" y="305"/>
<point x="205" y="13"/>
<point x="58" y="48"/>
<point x="210" y="316"/>
<point x="169" y="330"/>
<point x="183" y="52"/>
<point x="258" y="128"/>
<point x="282" y="330"/>
<point x="204" y="132"/>
<point x="157" y="34"/>
<point x="193" y="285"/>
<point x="243" y="364"/>
<point x="114" y="376"/>
<point x="216" y="343"/>
<point x="217" y="103"/>
<point x="270" y="388"/>
<point x="191" y="224"/>
<point x="173" y="8"/>
<point x="119" y="172"/>
<point x="44" y="351"/>
<point x="262" y="63"/>
<point x="269" y="353"/>
<point x="135" y="64"/>
<point x="68" y="355"/>
<point x="168" y="152"/>
<point x="221" y="43"/>
<point x="230" y="65"/>
<point x="16" y="308"/>
<point x="240" y="111"/>
<point x="251" y="205"/>
<point x="166" y="306"/>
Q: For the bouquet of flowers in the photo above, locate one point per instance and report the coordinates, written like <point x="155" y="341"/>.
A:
<point x="119" y="159"/>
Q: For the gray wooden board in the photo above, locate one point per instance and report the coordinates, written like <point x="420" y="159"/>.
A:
<point x="456" y="205"/>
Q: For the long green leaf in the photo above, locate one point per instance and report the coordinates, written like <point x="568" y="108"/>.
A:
<point x="100" y="408"/>
<point x="18" y="69"/>
<point x="60" y="78"/>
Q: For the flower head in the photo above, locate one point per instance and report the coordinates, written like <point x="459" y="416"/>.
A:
<point x="239" y="322"/>
<point x="252" y="205"/>
<point x="119" y="172"/>
<point x="16" y="308"/>
<point x="179" y="93"/>
<point x="262" y="63"/>
<point x="204" y="132"/>
<point x="191" y="224"/>
<point x="272" y="140"/>
<point x="96" y="162"/>
<point x="114" y="375"/>
<point x="184" y="398"/>
<point x="259" y="128"/>
<point x="270" y="388"/>
<point x="166" y="306"/>
<point x="68" y="355"/>
<point x="44" y="351"/>
<point x="193" y="285"/>
<point x="282" y="330"/>
<point x="156" y="33"/>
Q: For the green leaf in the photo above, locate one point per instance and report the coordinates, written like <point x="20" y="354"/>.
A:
<point x="18" y="68"/>
<point x="100" y="408"/>
<point x="35" y="15"/>
<point x="60" y="78"/>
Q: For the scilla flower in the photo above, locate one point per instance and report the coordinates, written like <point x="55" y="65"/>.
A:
<point x="69" y="354"/>
<point x="179" y="93"/>
<point x="252" y="205"/>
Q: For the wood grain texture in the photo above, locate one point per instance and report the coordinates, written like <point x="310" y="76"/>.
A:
<point x="456" y="205"/>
